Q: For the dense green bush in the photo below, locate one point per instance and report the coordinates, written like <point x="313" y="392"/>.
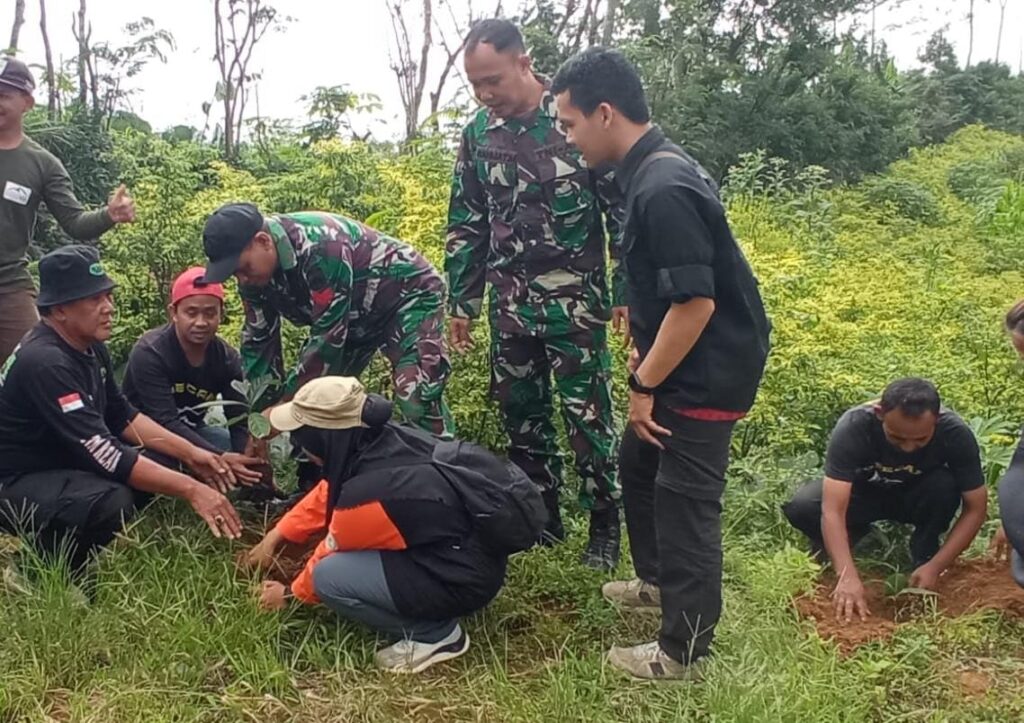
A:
<point x="908" y="273"/>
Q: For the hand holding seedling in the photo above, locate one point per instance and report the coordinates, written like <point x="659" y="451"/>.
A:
<point x="239" y="465"/>
<point x="212" y="469"/>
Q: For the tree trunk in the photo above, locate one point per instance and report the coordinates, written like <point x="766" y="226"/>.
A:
<point x="51" y="82"/>
<point x="874" y="15"/>
<point x="228" y="127"/>
<point x="83" y="56"/>
<point x="410" y="72"/>
<point x="421" y="80"/>
<point x="609" y="22"/>
<point x="237" y="31"/>
<point x="970" y="36"/>
<point x="19" y="20"/>
<point x="593" y="32"/>
<point x="1002" y="18"/>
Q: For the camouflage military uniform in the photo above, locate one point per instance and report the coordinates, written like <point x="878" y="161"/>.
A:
<point x="359" y="291"/>
<point x="526" y="216"/>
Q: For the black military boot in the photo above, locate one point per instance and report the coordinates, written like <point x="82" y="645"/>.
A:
<point x="602" y="551"/>
<point x="554" y="530"/>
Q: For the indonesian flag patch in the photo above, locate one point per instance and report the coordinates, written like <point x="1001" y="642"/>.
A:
<point x="70" y="402"/>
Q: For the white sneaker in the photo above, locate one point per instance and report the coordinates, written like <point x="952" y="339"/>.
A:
<point x="409" y="656"/>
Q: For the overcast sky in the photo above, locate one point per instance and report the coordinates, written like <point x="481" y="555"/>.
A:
<point x="334" y="42"/>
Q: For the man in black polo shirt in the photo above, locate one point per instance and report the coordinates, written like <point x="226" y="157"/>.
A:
<point x="180" y="366"/>
<point x="701" y="343"/>
<point x="903" y="458"/>
<point x="70" y="475"/>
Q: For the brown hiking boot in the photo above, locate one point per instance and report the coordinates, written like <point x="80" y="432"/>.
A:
<point x="633" y="594"/>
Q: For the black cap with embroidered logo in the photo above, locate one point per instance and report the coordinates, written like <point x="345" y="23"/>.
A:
<point x="227" y="233"/>
<point x="71" y="273"/>
<point x="15" y="74"/>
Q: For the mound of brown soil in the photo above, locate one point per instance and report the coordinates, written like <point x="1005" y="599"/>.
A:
<point x="966" y="587"/>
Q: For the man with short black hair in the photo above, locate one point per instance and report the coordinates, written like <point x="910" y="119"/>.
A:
<point x="701" y="342"/>
<point x="29" y="174"/>
<point x="70" y="471"/>
<point x="528" y="217"/>
<point x="903" y="458"/>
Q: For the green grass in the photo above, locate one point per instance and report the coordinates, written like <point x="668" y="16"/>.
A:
<point x="175" y="635"/>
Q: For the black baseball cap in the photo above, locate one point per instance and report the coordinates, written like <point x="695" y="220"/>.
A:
<point x="227" y="233"/>
<point x="71" y="273"/>
<point x="15" y="74"/>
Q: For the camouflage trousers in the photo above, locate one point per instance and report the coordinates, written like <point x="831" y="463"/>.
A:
<point x="522" y="368"/>
<point x="413" y="341"/>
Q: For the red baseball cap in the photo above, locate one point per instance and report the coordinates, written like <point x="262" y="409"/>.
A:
<point x="190" y="283"/>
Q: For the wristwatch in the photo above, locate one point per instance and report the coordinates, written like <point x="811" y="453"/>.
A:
<point x="637" y="386"/>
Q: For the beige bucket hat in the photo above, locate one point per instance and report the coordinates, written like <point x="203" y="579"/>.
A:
<point x="324" y="403"/>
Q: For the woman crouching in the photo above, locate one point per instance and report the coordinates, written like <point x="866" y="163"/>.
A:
<point x="409" y="545"/>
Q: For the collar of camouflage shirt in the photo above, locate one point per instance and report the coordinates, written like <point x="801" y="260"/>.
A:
<point x="547" y="109"/>
<point x="286" y="258"/>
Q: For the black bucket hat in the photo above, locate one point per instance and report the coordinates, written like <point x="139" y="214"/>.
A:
<point x="71" y="273"/>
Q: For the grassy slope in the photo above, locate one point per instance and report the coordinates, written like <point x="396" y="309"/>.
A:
<point x="175" y="634"/>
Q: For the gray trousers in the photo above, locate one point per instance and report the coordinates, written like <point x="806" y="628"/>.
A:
<point x="353" y="585"/>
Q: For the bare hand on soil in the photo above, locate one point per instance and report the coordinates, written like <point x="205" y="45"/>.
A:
<point x="850" y="599"/>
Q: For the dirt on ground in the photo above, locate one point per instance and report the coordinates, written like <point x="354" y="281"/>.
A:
<point x="967" y="586"/>
<point x="974" y="683"/>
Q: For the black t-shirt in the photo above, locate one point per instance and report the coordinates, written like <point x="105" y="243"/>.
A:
<point x="61" y="409"/>
<point x="858" y="452"/>
<point x="677" y="246"/>
<point x="162" y="383"/>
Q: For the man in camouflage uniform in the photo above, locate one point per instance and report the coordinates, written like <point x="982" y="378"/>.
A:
<point x="526" y="216"/>
<point x="358" y="290"/>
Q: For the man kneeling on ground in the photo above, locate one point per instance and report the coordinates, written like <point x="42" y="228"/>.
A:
<point x="408" y="547"/>
<point x="903" y="458"/>
<point x="69" y="475"/>
<point x="182" y="365"/>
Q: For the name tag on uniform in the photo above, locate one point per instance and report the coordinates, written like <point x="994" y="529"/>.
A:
<point x="16" y="193"/>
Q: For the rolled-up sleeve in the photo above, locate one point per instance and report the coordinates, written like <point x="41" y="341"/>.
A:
<point x="680" y="244"/>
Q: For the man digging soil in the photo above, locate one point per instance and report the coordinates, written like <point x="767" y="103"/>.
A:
<point x="905" y="459"/>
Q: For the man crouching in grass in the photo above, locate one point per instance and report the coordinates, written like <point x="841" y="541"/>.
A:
<point x="70" y="476"/>
<point x="903" y="458"/>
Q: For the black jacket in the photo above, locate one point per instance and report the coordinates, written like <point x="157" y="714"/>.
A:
<point x="677" y="246"/>
<point x="395" y="500"/>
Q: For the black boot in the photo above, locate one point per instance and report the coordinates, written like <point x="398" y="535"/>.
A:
<point x="554" y="530"/>
<point x="602" y="551"/>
